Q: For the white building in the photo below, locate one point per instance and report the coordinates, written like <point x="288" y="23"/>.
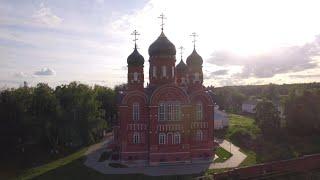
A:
<point x="249" y="106"/>
<point x="221" y="119"/>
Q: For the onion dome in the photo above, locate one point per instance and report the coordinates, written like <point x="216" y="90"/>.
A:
<point x="162" y="47"/>
<point x="181" y="67"/>
<point x="194" y="59"/>
<point x="135" y="58"/>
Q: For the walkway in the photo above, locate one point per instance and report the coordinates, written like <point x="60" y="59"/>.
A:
<point x="94" y="152"/>
<point x="234" y="161"/>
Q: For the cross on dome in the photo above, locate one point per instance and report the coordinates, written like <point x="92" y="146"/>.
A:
<point x="194" y="35"/>
<point x="135" y="34"/>
<point x="181" y="49"/>
<point x="162" y="17"/>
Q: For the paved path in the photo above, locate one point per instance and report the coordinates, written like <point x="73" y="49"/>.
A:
<point x="234" y="161"/>
<point x="94" y="152"/>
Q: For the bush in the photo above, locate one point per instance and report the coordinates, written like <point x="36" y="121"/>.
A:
<point x="241" y="137"/>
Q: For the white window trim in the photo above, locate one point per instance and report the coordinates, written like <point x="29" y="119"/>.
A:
<point x="199" y="135"/>
<point x="162" y="138"/>
<point x="169" y="111"/>
<point x="199" y="112"/>
<point x="178" y="136"/>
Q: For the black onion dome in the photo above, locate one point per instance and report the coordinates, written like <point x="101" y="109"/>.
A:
<point x="135" y="58"/>
<point x="181" y="67"/>
<point x="162" y="46"/>
<point x="194" y="58"/>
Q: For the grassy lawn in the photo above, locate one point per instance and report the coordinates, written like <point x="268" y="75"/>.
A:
<point x="239" y="125"/>
<point x="72" y="167"/>
<point x="37" y="171"/>
<point x="238" y="122"/>
<point x="222" y="154"/>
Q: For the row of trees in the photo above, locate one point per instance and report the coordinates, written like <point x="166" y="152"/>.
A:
<point x="70" y="115"/>
<point x="299" y="103"/>
<point x="301" y="114"/>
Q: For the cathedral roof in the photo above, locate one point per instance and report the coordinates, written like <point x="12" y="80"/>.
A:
<point x="194" y="58"/>
<point x="162" y="46"/>
<point x="135" y="58"/>
<point x="181" y="67"/>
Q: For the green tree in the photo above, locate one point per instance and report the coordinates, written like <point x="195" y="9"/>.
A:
<point x="267" y="117"/>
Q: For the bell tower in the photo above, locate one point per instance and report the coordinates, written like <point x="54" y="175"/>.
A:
<point x="135" y="67"/>
<point x="194" y="63"/>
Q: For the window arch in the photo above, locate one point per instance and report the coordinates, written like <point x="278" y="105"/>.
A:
<point x="135" y="76"/>
<point x="162" y="138"/>
<point x="164" y="71"/>
<point x="136" y="138"/>
<point x="135" y="111"/>
<point x="199" y="135"/>
<point x="176" y="138"/>
<point x="199" y="111"/>
<point x="154" y="71"/>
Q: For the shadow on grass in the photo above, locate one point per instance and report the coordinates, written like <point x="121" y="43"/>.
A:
<point x="77" y="170"/>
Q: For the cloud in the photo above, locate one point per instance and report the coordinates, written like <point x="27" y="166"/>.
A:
<point x="45" y="72"/>
<point x="45" y="16"/>
<point x="219" y="72"/>
<point x="305" y="76"/>
<point x="20" y="75"/>
<point x="279" y="61"/>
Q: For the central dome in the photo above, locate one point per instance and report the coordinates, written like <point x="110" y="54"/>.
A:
<point x="162" y="47"/>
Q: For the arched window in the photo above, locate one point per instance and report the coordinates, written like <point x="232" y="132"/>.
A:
<point x="199" y="135"/>
<point x="176" y="138"/>
<point x="196" y="76"/>
<point x="162" y="138"/>
<point x="172" y="71"/>
<point x="135" y="111"/>
<point x="164" y="71"/>
<point x="154" y="71"/>
<point x="161" y="112"/>
<point x="135" y="76"/>
<point x="199" y="112"/>
<point x="136" y="138"/>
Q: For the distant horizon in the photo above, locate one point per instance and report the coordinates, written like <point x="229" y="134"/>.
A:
<point x="241" y="42"/>
<point x="112" y="87"/>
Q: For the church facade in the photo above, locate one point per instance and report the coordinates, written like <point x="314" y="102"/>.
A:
<point x="171" y="119"/>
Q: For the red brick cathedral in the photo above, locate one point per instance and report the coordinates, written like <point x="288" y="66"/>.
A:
<point x="170" y="120"/>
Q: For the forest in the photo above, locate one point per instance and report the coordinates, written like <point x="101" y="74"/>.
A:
<point x="46" y="122"/>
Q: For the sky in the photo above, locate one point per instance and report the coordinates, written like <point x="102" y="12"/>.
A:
<point x="241" y="42"/>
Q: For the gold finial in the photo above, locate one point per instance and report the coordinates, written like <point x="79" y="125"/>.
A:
<point x="135" y="34"/>
<point x="162" y="17"/>
<point x="194" y="35"/>
<point x="181" y="49"/>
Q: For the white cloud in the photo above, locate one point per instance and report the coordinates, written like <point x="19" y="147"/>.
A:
<point x="44" y="16"/>
<point x="45" y="72"/>
<point x="20" y="75"/>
